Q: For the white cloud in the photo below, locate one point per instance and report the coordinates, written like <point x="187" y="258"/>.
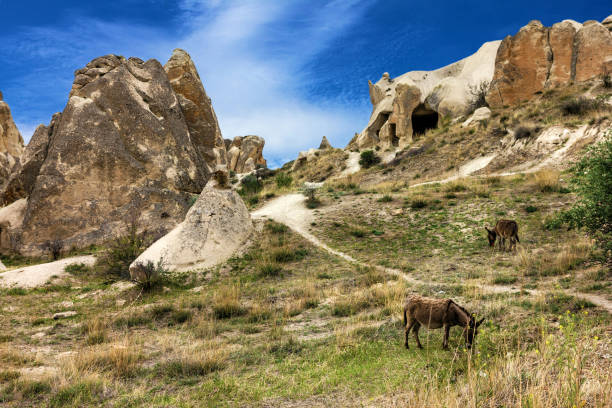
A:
<point x="250" y="55"/>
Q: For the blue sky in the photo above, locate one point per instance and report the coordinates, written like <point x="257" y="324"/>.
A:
<point x="288" y="70"/>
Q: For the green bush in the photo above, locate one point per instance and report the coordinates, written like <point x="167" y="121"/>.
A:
<point x="385" y="199"/>
<point x="418" y="204"/>
<point x="250" y="185"/>
<point x="579" y="106"/>
<point x="592" y="181"/>
<point x="283" y="180"/>
<point x="531" y="208"/>
<point x="368" y="159"/>
<point x="122" y="252"/>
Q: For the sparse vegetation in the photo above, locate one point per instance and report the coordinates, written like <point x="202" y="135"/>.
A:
<point x="122" y="252"/>
<point x="368" y="158"/>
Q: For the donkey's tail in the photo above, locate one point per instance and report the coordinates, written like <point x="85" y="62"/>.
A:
<point x="517" y="239"/>
<point x="405" y="318"/>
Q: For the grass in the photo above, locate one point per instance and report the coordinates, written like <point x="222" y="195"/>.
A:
<point x="327" y="331"/>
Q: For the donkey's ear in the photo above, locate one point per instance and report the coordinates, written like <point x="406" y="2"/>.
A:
<point x="480" y="322"/>
<point x="488" y="230"/>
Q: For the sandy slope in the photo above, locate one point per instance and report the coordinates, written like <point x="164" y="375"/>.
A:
<point x="36" y="275"/>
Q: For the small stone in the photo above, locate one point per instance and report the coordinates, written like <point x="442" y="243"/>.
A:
<point x="63" y="315"/>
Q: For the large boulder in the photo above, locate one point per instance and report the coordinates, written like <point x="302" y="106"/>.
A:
<point x="522" y="65"/>
<point x="120" y="151"/>
<point x="592" y="51"/>
<point x="413" y="102"/>
<point x="214" y="228"/>
<point x="245" y="153"/>
<point x="538" y="57"/>
<point x="197" y="109"/>
<point x="11" y="218"/>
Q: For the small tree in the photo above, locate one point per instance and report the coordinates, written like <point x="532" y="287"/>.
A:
<point x="592" y="181"/>
<point x="55" y="248"/>
<point x="478" y="95"/>
<point x="368" y="159"/>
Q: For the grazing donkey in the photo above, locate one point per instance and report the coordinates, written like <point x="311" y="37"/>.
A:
<point x="504" y="229"/>
<point x="437" y="313"/>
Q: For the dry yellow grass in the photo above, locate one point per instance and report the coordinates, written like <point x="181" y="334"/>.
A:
<point x="119" y="360"/>
<point x="546" y="180"/>
<point x="96" y="330"/>
<point x="556" y="261"/>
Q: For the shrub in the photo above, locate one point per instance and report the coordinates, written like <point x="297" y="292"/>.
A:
<point x="96" y="331"/>
<point x="122" y="252"/>
<point x="606" y="80"/>
<point x="385" y="199"/>
<point x="191" y="365"/>
<point x="579" y="106"/>
<point x="250" y="185"/>
<point x="283" y="180"/>
<point x="310" y="191"/>
<point x="418" y="203"/>
<point x="268" y="269"/>
<point x="76" y="268"/>
<point x="150" y="275"/>
<point x="522" y="132"/>
<point x="531" y="208"/>
<point x="547" y="180"/>
<point x="478" y="95"/>
<point x="368" y="159"/>
<point x="358" y="233"/>
<point x="55" y="248"/>
<point x="592" y="180"/>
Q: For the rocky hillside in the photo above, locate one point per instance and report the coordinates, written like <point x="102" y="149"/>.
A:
<point x="136" y="143"/>
<point x="499" y="74"/>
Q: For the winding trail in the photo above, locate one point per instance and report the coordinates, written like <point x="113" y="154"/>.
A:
<point x="291" y="211"/>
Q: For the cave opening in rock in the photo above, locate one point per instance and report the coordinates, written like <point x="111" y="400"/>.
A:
<point x="393" y="132"/>
<point x="423" y="119"/>
<point x="382" y="119"/>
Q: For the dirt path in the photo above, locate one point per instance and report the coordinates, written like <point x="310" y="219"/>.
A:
<point x="36" y="275"/>
<point x="291" y="211"/>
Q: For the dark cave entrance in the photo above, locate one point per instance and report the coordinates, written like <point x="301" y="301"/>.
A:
<point x="423" y="119"/>
<point x="393" y="132"/>
<point x="382" y="119"/>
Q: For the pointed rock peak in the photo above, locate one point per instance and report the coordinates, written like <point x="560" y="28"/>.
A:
<point x="608" y="22"/>
<point x="180" y="62"/>
<point x="11" y="141"/>
<point x="325" y="144"/>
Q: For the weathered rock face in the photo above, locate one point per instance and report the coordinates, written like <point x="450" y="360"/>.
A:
<point x="11" y="142"/>
<point x="214" y="228"/>
<point x="245" y="153"/>
<point x="413" y="102"/>
<point x="23" y="178"/>
<point x="120" y="150"/>
<point x="197" y="109"/>
<point x="325" y="144"/>
<point x="478" y="116"/>
<point x="538" y="57"/>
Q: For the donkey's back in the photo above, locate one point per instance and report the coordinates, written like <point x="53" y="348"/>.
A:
<point x="507" y="229"/>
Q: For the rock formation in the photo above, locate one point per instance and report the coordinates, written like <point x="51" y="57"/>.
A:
<point x="11" y="142"/>
<point x="478" y="116"/>
<point x="413" y="102"/>
<point x="120" y="150"/>
<point x="538" y="57"/>
<point x="214" y="228"/>
<point x="325" y="144"/>
<point x="245" y="153"/>
<point x="197" y="109"/>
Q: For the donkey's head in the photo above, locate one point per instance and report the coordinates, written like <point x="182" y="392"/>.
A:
<point x="471" y="330"/>
<point x="492" y="235"/>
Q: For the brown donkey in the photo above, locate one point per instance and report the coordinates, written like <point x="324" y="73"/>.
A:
<point x="504" y="229"/>
<point x="437" y="313"/>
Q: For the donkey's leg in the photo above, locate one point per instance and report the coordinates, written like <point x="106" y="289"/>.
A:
<point x="415" y="330"/>
<point x="446" y="333"/>
<point x="407" y="329"/>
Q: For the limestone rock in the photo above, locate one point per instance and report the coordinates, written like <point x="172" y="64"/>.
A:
<point x="607" y="22"/>
<point x="538" y="57"/>
<point x="120" y="151"/>
<point x="522" y="65"/>
<point x="22" y="180"/>
<point x="413" y="102"/>
<point x="245" y="153"/>
<point x="562" y="44"/>
<point x="325" y="144"/>
<point x="214" y="228"/>
<point x="479" y="115"/>
<point x="592" y="51"/>
<point x="11" y="141"/>
<point x="197" y="109"/>
<point x="11" y="219"/>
